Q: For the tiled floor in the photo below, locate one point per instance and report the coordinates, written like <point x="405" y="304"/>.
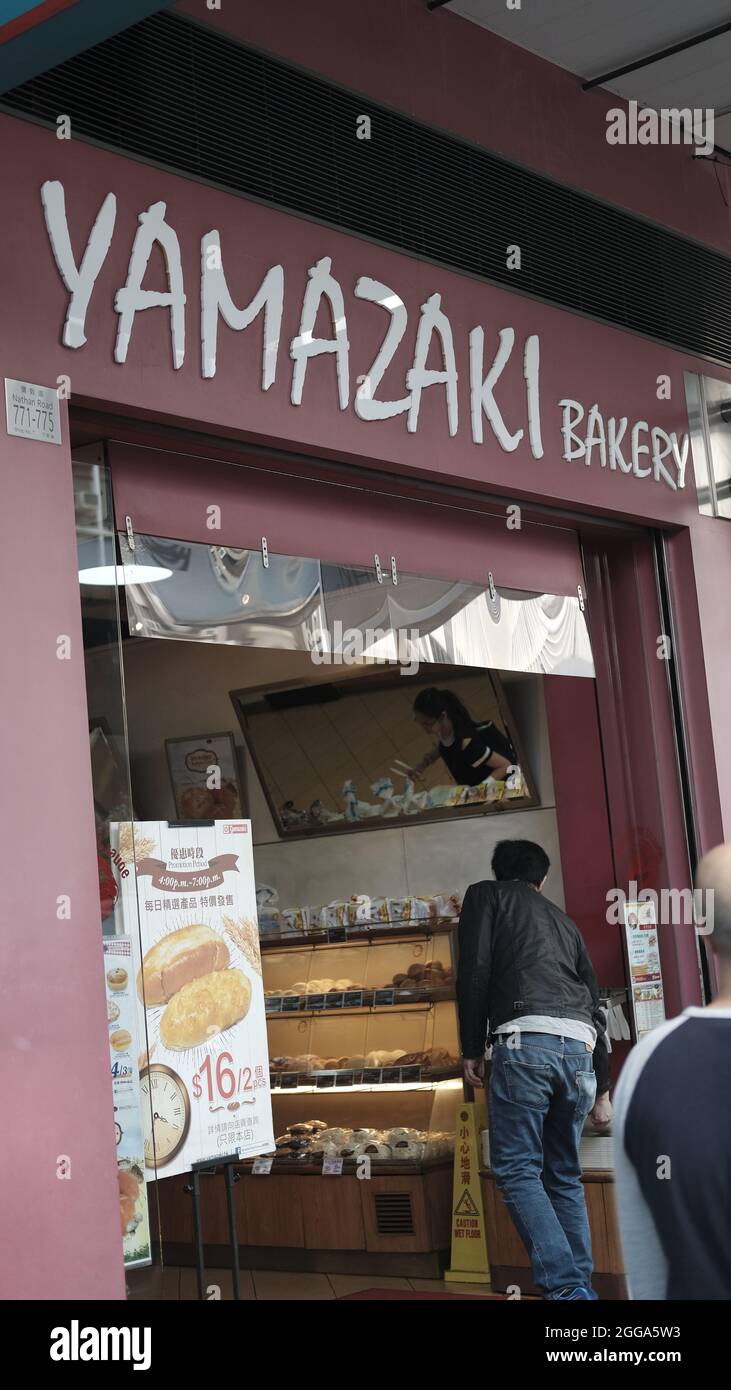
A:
<point x="273" y="1286"/>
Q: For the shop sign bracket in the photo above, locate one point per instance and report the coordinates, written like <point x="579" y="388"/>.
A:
<point x="379" y="571"/>
<point x="130" y="532"/>
<point x="580" y="592"/>
<point x="491" y="585"/>
<point x="394" y="570"/>
<point x="264" y="552"/>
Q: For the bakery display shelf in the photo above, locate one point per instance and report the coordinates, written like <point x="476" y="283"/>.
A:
<point x="365" y="931"/>
<point x="363" y="1079"/>
<point x="311" y="1166"/>
<point x="355" y="1001"/>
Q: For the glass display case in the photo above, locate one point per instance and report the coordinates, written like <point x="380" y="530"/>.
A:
<point x="363" y="1040"/>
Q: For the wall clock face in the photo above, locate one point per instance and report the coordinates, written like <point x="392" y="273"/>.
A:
<point x="165" y="1114"/>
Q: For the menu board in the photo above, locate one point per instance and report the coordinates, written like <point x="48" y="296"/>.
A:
<point x="188" y="894"/>
<point x="123" y="1058"/>
<point x="646" y="987"/>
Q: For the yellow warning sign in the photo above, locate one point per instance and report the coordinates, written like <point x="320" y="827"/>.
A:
<point x="469" y="1264"/>
<point x="465" y="1206"/>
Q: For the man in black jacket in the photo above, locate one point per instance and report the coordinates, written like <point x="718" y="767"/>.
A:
<point x="524" y="967"/>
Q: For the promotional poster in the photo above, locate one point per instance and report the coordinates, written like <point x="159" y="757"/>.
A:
<point x="123" y="1057"/>
<point x="188" y="893"/>
<point x="648" y="1000"/>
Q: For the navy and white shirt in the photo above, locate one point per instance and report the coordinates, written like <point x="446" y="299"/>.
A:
<point x="672" y="1158"/>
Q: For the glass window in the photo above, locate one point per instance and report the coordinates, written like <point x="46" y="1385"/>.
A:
<point x="709" y="413"/>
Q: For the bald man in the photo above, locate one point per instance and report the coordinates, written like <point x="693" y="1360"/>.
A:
<point x="672" y="1134"/>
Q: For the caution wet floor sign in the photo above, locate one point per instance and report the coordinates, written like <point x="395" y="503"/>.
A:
<point x="469" y="1264"/>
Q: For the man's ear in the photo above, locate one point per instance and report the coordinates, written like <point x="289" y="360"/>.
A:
<point x="542" y="883"/>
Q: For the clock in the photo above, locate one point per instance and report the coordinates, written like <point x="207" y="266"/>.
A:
<point x="165" y="1113"/>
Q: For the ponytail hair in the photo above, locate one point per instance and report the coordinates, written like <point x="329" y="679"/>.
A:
<point x="433" y="702"/>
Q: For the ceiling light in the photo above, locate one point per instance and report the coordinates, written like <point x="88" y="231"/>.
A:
<point x="109" y="575"/>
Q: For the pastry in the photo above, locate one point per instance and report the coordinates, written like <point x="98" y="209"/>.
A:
<point x="196" y="803"/>
<point x="377" y="1149"/>
<point x="317" y="1126"/>
<point x="120" y="1039"/>
<point x="413" y="1152"/>
<point x="335" y="1135"/>
<point x="415" y="972"/>
<point x="112" y="1011"/>
<point x="400" y="1135"/>
<point x="178" y="959"/>
<point x="117" y="979"/>
<point x="439" y="1058"/>
<point x="325" y="1147"/>
<point x="300" y="1144"/>
<point x="205" y="1007"/>
<point x="350" y="1149"/>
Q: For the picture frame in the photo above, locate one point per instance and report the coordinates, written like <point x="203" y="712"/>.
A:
<point x="191" y="759"/>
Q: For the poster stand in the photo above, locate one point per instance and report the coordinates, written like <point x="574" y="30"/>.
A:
<point x="231" y="1178"/>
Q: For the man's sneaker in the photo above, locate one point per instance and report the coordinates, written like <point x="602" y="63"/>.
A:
<point x="572" y="1295"/>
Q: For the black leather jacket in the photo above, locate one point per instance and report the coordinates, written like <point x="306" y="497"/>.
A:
<point x="520" y="954"/>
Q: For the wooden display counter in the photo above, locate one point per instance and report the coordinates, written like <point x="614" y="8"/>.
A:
<point x="397" y="1222"/>
<point x="509" y="1263"/>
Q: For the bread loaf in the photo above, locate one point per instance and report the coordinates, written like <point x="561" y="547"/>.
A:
<point x="177" y="959"/>
<point x="205" y="1007"/>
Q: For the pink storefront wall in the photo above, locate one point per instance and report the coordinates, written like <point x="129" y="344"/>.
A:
<point x="59" y="1236"/>
<point x="64" y="1235"/>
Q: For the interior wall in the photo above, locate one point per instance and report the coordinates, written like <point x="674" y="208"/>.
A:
<point x="181" y="688"/>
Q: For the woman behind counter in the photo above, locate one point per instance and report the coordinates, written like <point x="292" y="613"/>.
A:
<point x="471" y="751"/>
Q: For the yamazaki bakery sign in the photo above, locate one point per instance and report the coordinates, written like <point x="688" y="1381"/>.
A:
<point x="616" y="443"/>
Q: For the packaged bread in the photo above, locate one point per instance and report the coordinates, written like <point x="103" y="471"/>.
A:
<point x="337" y="915"/>
<point x="205" y="1007"/>
<point x="359" y="909"/>
<point x="295" y="919"/>
<point x="448" y="904"/>
<point x="177" y="959"/>
<point x="376" y="1149"/>
<point x="421" y="909"/>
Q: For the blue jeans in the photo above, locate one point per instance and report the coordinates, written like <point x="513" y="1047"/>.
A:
<point x="540" y="1095"/>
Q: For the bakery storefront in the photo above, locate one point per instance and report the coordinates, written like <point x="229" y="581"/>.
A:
<point x="312" y="480"/>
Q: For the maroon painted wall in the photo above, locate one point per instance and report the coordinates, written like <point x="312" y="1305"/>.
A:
<point x="60" y="1237"/>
